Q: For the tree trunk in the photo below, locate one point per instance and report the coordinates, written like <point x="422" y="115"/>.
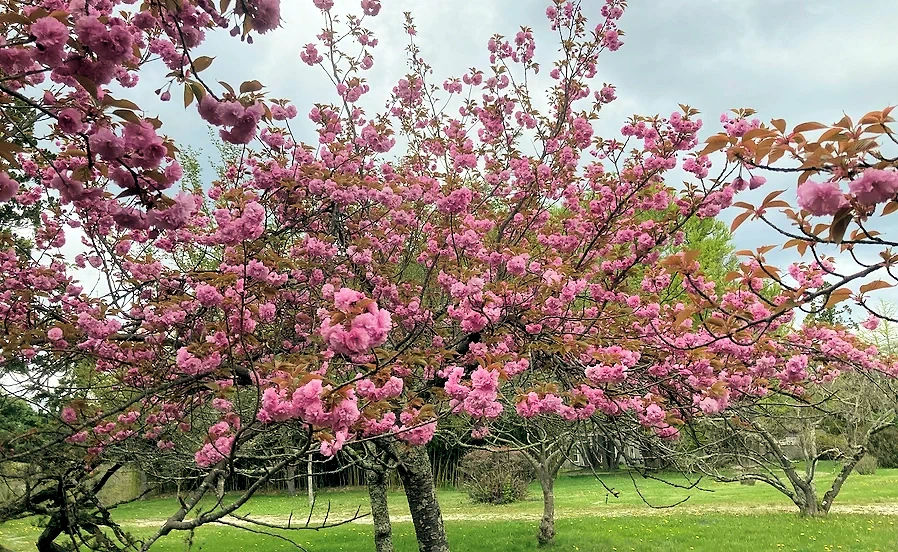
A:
<point x="310" y="481"/>
<point x="808" y="508"/>
<point x="291" y="480"/>
<point x="608" y="453"/>
<point x="417" y="478"/>
<point x="807" y="503"/>
<point x="46" y="540"/>
<point x="547" y="525"/>
<point x="830" y="496"/>
<point x="144" y="484"/>
<point x="650" y="458"/>
<point x="220" y="487"/>
<point x="380" y="513"/>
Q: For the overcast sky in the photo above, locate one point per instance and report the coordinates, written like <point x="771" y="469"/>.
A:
<point x="793" y="59"/>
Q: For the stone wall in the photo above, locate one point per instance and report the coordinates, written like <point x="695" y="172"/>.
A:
<point x="123" y="485"/>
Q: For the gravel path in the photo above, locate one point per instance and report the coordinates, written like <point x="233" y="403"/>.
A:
<point x="885" y="509"/>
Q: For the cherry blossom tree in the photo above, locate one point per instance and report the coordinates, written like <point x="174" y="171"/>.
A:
<point x="505" y="258"/>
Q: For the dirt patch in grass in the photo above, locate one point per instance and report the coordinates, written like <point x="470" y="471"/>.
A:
<point x="882" y="509"/>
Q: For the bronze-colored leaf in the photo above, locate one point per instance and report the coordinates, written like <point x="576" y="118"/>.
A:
<point x="89" y="85"/>
<point x="844" y="122"/>
<point x="9" y="157"/>
<point x="873" y="286"/>
<point x="14" y="17"/>
<point x="690" y="256"/>
<point x="876" y="128"/>
<point x="202" y="63"/>
<point x="188" y="95"/>
<point x="250" y="86"/>
<point x="830" y="134"/>
<point x="840" y="224"/>
<point x="890" y="207"/>
<point x="10" y="146"/>
<point x="837" y="297"/>
<point x="737" y="222"/>
<point x="128" y="192"/>
<point x="81" y="174"/>
<point x="198" y="91"/>
<point x="805" y="176"/>
<point x="804" y="127"/>
<point x="127" y="115"/>
<point x="228" y="87"/>
<point x="124" y="104"/>
<point x="715" y="323"/>
<point x="756" y="133"/>
<point x="872" y="117"/>
<point x="770" y="197"/>
<point x="775" y="155"/>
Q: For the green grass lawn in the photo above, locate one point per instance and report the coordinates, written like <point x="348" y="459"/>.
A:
<point x="668" y="533"/>
<point x="590" y="519"/>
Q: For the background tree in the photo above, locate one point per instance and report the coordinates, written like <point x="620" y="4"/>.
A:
<point x="749" y="441"/>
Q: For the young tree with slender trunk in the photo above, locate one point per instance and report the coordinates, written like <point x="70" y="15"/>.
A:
<point x="748" y="442"/>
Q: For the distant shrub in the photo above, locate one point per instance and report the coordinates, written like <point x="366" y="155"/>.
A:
<point x="496" y="477"/>
<point x="867" y="465"/>
<point x="835" y="444"/>
<point x="884" y="445"/>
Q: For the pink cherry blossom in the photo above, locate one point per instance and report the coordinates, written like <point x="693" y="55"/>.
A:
<point x="214" y="452"/>
<point x="756" y="182"/>
<point x="70" y="121"/>
<point x="871" y="323"/>
<point x="875" y="186"/>
<point x="8" y="187"/>
<point x="371" y="7"/>
<point x="49" y="33"/>
<point x="821" y="198"/>
<point x="359" y="333"/>
<point x="69" y="415"/>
